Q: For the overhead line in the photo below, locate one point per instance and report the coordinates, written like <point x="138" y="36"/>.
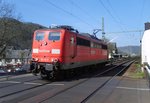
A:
<point x="67" y="12"/>
<point x="110" y="13"/>
<point x="85" y="12"/>
<point x="125" y="31"/>
<point x="141" y="13"/>
<point x="107" y="10"/>
<point x="114" y="11"/>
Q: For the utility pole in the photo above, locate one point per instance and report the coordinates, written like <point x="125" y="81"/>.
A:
<point x="103" y="33"/>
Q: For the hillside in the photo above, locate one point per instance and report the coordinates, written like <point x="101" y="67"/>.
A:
<point x="16" y="33"/>
<point x="131" y="50"/>
<point x="27" y="34"/>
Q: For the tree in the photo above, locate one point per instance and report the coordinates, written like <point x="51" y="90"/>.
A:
<point x="6" y="9"/>
<point x="7" y="25"/>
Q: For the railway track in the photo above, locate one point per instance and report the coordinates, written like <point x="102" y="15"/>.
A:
<point x="86" y="80"/>
<point x="101" y="86"/>
<point x="55" y="89"/>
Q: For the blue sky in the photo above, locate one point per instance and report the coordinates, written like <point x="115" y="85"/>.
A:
<point x="86" y="15"/>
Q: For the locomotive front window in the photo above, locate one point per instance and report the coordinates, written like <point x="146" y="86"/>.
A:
<point x="54" y="36"/>
<point x="39" y="36"/>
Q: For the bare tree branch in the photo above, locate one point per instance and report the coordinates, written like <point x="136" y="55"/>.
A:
<point x="7" y="25"/>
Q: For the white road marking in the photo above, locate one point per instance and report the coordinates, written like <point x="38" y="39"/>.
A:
<point x="10" y="82"/>
<point x="32" y="83"/>
<point x="128" y="88"/>
<point x="13" y="76"/>
<point x="55" y="84"/>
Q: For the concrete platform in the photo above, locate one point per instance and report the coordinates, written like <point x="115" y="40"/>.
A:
<point x="123" y="90"/>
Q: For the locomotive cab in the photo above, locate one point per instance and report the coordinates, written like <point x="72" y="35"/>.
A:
<point x="47" y="51"/>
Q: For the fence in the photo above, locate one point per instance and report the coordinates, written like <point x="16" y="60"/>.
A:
<point x="14" y="61"/>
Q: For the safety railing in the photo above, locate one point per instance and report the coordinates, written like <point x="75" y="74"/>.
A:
<point x="147" y="74"/>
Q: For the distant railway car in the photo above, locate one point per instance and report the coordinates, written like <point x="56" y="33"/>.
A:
<point x="62" y="48"/>
<point x="145" y="44"/>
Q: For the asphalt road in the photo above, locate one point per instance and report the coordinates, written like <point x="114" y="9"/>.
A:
<point x="31" y="89"/>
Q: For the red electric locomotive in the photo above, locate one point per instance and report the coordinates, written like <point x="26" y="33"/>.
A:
<point x="62" y="48"/>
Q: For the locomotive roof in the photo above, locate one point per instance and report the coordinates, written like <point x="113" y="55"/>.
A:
<point x="66" y="27"/>
<point x="70" y="28"/>
<point x="90" y="36"/>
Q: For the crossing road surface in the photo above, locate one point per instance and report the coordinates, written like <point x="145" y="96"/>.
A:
<point x="106" y="88"/>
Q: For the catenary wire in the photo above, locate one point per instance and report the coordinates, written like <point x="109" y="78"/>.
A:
<point x="83" y="10"/>
<point x="108" y="11"/>
<point x="69" y="13"/>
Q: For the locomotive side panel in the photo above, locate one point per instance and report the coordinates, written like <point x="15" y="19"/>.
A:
<point x="82" y="52"/>
<point x="99" y="52"/>
<point x="76" y="54"/>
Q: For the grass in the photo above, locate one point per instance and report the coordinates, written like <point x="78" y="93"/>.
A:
<point x="136" y="71"/>
<point x="138" y="75"/>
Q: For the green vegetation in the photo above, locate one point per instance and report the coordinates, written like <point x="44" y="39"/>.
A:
<point x="137" y="72"/>
<point x="14" y="32"/>
<point x="139" y="75"/>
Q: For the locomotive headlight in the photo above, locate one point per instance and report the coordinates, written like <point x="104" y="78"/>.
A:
<point x="35" y="59"/>
<point x="55" y="60"/>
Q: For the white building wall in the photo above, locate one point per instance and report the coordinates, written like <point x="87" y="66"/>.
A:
<point x="146" y="47"/>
